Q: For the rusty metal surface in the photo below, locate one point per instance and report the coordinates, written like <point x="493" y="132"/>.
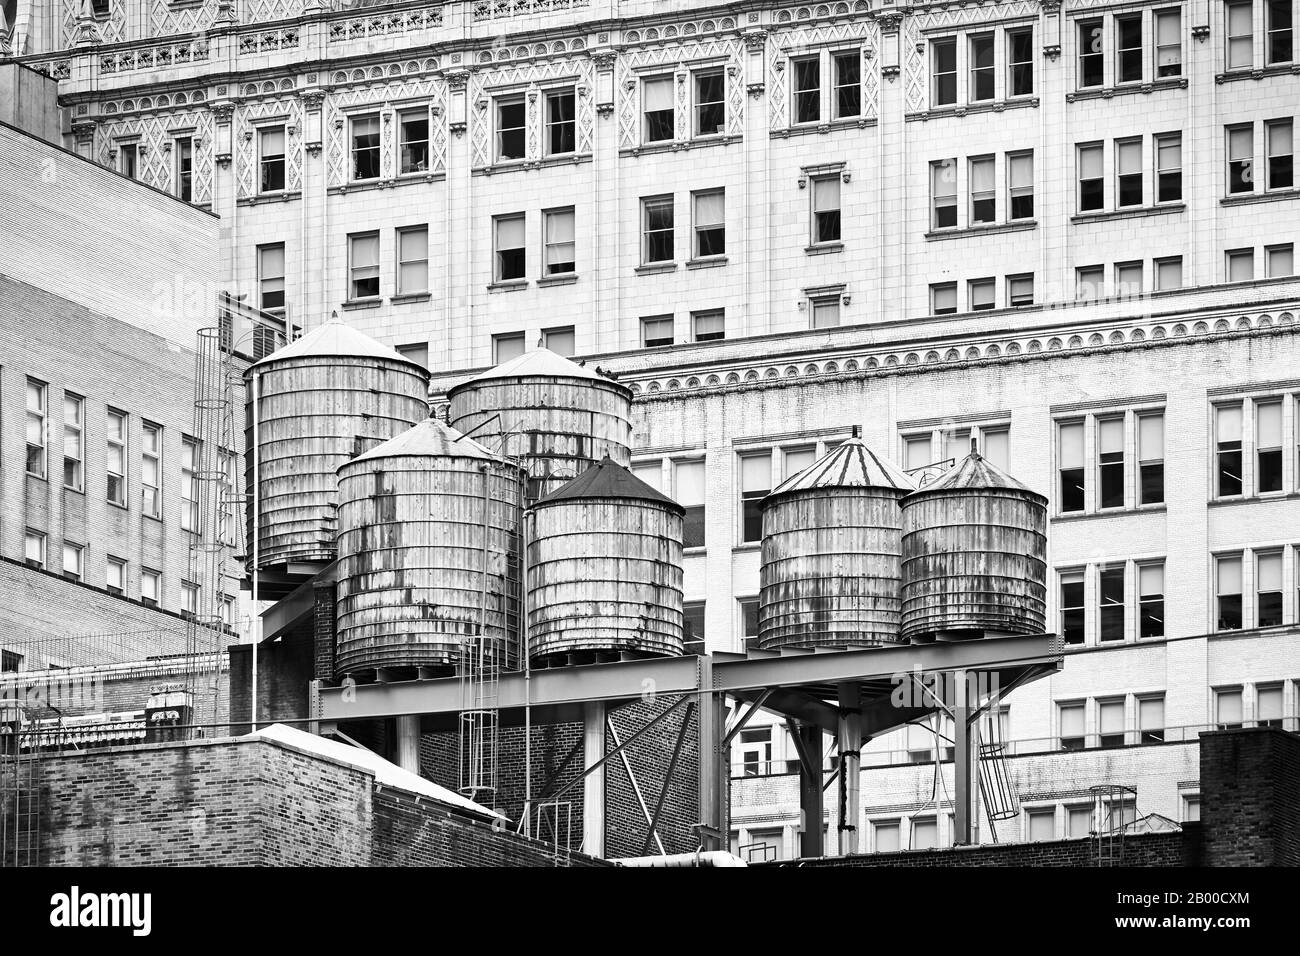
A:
<point x="605" y="574"/>
<point x="411" y="559"/>
<point x="316" y="413"/>
<point x="974" y="559"/>
<point x="831" y="569"/>
<point x="558" y="426"/>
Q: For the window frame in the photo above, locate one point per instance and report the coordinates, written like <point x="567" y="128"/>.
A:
<point x="269" y="163"/>
<point x="827" y="225"/>
<point x="354" y="268"/>
<point x="664" y="201"/>
<point x="264" y="278"/>
<point x="117" y="448"/>
<point x="839" y="86"/>
<point x="404" y="143"/>
<point x="75" y="429"/>
<point x="1284" y="161"/>
<point x="355" y="151"/>
<point x="698" y="315"/>
<point x="151" y="494"/>
<point x="810" y="95"/>
<point x="403" y="234"/>
<point x="1011" y="34"/>
<point x="39" y="418"/>
<point x="500" y="131"/>
<point x="646" y="123"/>
<point x="1238" y="613"/>
<point x="183" y="167"/>
<point x="1093" y="53"/>
<point x="1165" y="174"/>
<point x="553" y="126"/>
<point x="1083" y="191"/>
<point x="699" y="105"/>
<point x="719" y="227"/>
<point x="646" y="342"/>
<point x="548" y="244"/>
<point x="499" y="264"/>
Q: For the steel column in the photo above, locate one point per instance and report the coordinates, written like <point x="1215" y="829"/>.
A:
<point x="408" y="742"/>
<point x="962" y="770"/>
<point x="808" y="743"/>
<point x="850" y="748"/>
<point x="593" y="784"/>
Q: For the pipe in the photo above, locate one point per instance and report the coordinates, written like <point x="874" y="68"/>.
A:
<point x="708" y="858"/>
<point x="523" y="649"/>
<point x="257" y="532"/>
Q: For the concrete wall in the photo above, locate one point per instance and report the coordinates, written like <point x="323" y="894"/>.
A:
<point x="28" y="101"/>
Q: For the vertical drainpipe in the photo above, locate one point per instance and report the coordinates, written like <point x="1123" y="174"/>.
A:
<point x="523" y="649"/>
<point x="257" y="533"/>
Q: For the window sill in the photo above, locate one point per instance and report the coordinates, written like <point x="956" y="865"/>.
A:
<point x="424" y="176"/>
<point x="261" y="199"/>
<point x="698" y="551"/>
<point x="1135" y="212"/>
<point x="710" y="262"/>
<point x="823" y="248"/>
<point x="811" y="129"/>
<point x="563" y="278"/>
<point x="370" y="302"/>
<point x="75" y="491"/>
<point x="118" y="505"/>
<point x="1248" y="199"/>
<point x="994" y="106"/>
<point x="1128" y="89"/>
<point x="747" y="546"/>
<point x="655" y="268"/>
<point x="1253" y="499"/>
<point x="1273" y="69"/>
<point x="517" y="165"/>
<point x="1021" y="225"/>
<point x="679" y="145"/>
<point x="37" y="477"/>
<point x="508" y="285"/>
<point x="410" y="297"/>
<point x="1110" y="513"/>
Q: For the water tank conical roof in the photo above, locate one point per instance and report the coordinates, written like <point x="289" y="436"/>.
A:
<point x="608" y="479"/>
<point x="430" y="437"/>
<point x="850" y="465"/>
<point x="539" y="363"/>
<point x="974" y="473"/>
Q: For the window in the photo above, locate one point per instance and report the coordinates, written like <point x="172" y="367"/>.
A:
<point x="1169" y="273"/>
<point x="807" y="90"/>
<point x="1072" y="607"/>
<point x="657" y="229"/>
<point x="981" y="67"/>
<point x="506" y="347"/>
<point x="226" y="463"/>
<point x="189" y="599"/>
<point x="925" y="834"/>
<point x="151" y="470"/>
<point x="1128" y="172"/>
<point x="943" y="60"/>
<point x="1268" y="589"/>
<point x="1092" y="184"/>
<point x="709" y="325"/>
<point x="1110" y="723"/>
<point x="848" y="84"/>
<point x="72" y="561"/>
<point x="509" y="241"/>
<point x="183" y="150"/>
<point x="414" y="145"/>
<point x="1128" y="278"/>
<point x="1041" y="824"/>
<point x="1241" y="148"/>
<point x="227" y="610"/>
<point x="1278" y="146"/>
<point x="1070" y="455"/>
<point x="1227" y="708"/>
<point x="995" y="445"/>
<point x="510" y="128"/>
<point x="115" y="458"/>
<point x="1280" y="260"/>
<point x="688" y="491"/>
<point x="826" y="209"/>
<point x="1169" y="43"/>
<point x="74" y="409"/>
<point x="365" y="147"/>
<point x="34" y="549"/>
<point x="36" y="394"/>
<point x="560" y="259"/>
<point x="983" y="193"/>
<point x="1128" y="47"/>
<point x="980" y="294"/>
<point x="1240" y="265"/>
<point x="943" y="298"/>
<point x="561" y="340"/>
<point x="1078" y="821"/>
<point x="943" y="193"/>
<point x="1241" y="41"/>
<point x="748" y="618"/>
<point x="271" y="159"/>
<point x="1020" y="62"/>
<point x="710" y="108"/>
<point x="884" y="834"/>
<point x="657" y="104"/>
<point x="150" y="587"/>
<point x="1191" y="809"/>
<point x="1151" y="458"/>
<point x="1169" y="167"/>
<point x="1110" y="458"/>
<point x="413" y="260"/>
<point x="656" y="330"/>
<point x="189" y="485"/>
<point x="1020" y="290"/>
<point x="693" y="624"/>
<point x="1072" y="726"/>
<point x="756" y="750"/>
<point x="1228" y="449"/>
<point x="1091" y="53"/>
<point x="1088" y="283"/>
<point x="1228" y="592"/>
<point x="1151" y="600"/>
<point x="1112" y="603"/>
<point x="1277" y="24"/>
<point x="363" y="265"/>
<point x="10" y="661"/>
<point x="561" y="126"/>
<point x="1020" y="184"/>
<point x="1151" y="720"/>
<point x="710" y="223"/>
<point x="270" y="278"/>
<point x="128" y="156"/>
<point x="826" y="312"/>
<point x="916" y="452"/>
<point x="1268" y="706"/>
<point x="755" y="483"/>
<point x="1268" y="447"/>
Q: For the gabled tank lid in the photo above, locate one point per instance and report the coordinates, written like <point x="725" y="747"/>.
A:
<point x="851" y="465"/>
<point x="608" y="479"/>
<point x="975" y="473"/>
<point x="539" y="363"/>
<point x="336" y="339"/>
<point x="430" y="438"/>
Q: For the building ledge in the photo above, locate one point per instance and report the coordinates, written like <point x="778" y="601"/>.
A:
<point x="1275" y="69"/>
<point x="655" y="268"/>
<point x="1249" y="199"/>
<point x="1020" y="225"/>
<point x="370" y="302"/>
<point x="709" y="262"/>
<point x="1253" y="499"/>
<point x="1159" y="509"/>
<point x="1134" y="212"/>
<point x="260" y="199"/>
<point x="812" y="129"/>
<point x="509" y="285"/>
<point x="527" y="165"/>
<point x="407" y="297"/>
<point x="679" y="145"/>
<point x="956" y="112"/>
<point x="824" y="248"/>
<point x="562" y="278"/>
<point x="1128" y="89"/>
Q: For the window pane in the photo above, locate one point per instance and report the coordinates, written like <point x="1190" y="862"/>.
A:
<point x="1111" y="436"/>
<point x="1110" y="716"/>
<point x="826" y="194"/>
<point x="1072" y="446"/>
<point x="1228" y="424"/>
<point x="756" y="473"/>
<point x="510" y="233"/>
<point x="657" y="95"/>
<point x="1228" y="707"/>
<point x="365" y="251"/>
<point x="651" y="472"/>
<point x="797" y="460"/>
<point x="1090" y="162"/>
<point x="689" y="479"/>
<point x="1071" y="721"/>
<point x="1230" y="575"/>
<point x="708" y="208"/>
<point x="1151" y="713"/>
<point x="1151" y="579"/>
<point x="1269" y="703"/>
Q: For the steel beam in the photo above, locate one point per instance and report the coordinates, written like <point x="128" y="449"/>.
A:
<point x="408" y="742"/>
<point x="808" y="744"/>
<point x="850" y="754"/>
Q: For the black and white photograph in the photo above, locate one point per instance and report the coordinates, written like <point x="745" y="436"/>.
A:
<point x="857" y="436"/>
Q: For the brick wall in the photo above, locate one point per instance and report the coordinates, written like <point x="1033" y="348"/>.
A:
<point x="1250" y="797"/>
<point x="1147" y="849"/>
<point x="324" y="616"/>
<point x="284" y="671"/>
